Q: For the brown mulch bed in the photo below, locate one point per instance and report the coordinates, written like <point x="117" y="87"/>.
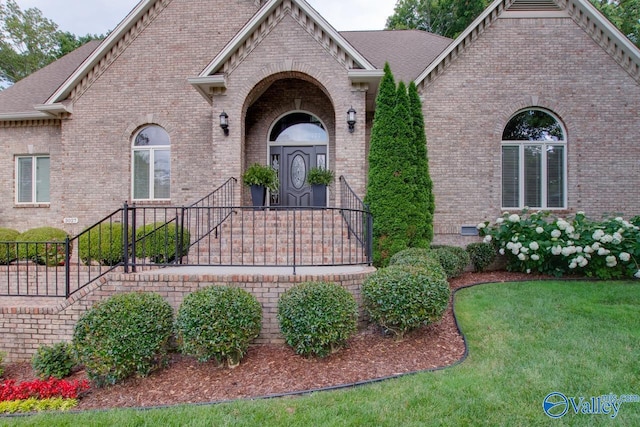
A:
<point x="276" y="369"/>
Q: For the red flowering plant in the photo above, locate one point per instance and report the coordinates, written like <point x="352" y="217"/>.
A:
<point x="42" y="389"/>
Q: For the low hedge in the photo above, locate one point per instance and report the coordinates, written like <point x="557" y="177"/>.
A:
<point x="44" y="245"/>
<point x="401" y="298"/>
<point x="8" y="251"/>
<point x="102" y="244"/>
<point x="419" y="257"/>
<point x="123" y="335"/>
<point x="218" y="322"/>
<point x="317" y="318"/>
<point x="158" y="242"/>
<point x="482" y="255"/>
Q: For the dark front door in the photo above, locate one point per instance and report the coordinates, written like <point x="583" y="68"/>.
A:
<point x="293" y="164"/>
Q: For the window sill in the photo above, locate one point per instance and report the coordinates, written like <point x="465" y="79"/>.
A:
<point x="32" y="205"/>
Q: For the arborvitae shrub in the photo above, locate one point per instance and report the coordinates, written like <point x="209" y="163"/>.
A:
<point x="124" y="335"/>
<point x="482" y="254"/>
<point x="159" y="242"/>
<point x="55" y="361"/>
<point x="452" y="258"/>
<point x="7" y="245"/>
<point x="44" y="245"/>
<point x="317" y="318"/>
<point x="218" y="322"/>
<point x="401" y="298"/>
<point x="2" y="356"/>
<point x="102" y="244"/>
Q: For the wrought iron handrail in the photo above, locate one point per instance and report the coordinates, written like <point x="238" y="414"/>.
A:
<point x="143" y="237"/>
<point x="361" y="227"/>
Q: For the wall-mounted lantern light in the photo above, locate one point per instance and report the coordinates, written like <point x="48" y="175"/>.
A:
<point x="351" y="119"/>
<point x="224" y="122"/>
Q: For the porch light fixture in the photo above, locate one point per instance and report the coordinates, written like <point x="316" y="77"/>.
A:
<point x="224" y="123"/>
<point x="351" y="119"/>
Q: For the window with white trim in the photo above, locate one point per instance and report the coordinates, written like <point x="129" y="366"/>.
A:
<point x="32" y="179"/>
<point x="534" y="161"/>
<point x="151" y="167"/>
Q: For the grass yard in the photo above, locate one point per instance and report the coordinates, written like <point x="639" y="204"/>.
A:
<point x="525" y="340"/>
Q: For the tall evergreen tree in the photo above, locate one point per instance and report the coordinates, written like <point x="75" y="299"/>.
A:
<point x="389" y="171"/>
<point x="424" y="186"/>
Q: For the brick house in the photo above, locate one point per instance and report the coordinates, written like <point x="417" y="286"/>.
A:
<point x="75" y="134"/>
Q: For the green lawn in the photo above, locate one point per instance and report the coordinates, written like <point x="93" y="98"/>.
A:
<point x="525" y="341"/>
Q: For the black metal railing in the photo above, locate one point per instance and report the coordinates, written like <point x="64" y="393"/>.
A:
<point x="357" y="216"/>
<point x="204" y="233"/>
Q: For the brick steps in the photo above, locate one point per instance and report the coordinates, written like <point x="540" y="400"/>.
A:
<point x="266" y="237"/>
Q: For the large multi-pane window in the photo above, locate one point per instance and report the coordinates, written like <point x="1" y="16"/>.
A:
<point x="534" y="159"/>
<point x="32" y="179"/>
<point x="151" y="164"/>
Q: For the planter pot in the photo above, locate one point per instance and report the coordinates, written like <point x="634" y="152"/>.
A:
<point x="258" y="195"/>
<point x="319" y="195"/>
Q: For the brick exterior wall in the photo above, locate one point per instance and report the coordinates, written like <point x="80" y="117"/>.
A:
<point x="519" y="63"/>
<point x="24" y="329"/>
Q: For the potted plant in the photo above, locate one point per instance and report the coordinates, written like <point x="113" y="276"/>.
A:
<point x="259" y="178"/>
<point x="319" y="178"/>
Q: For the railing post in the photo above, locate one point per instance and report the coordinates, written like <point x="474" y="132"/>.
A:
<point x="180" y="234"/>
<point x="67" y="268"/>
<point x="294" y="242"/>
<point x="125" y="236"/>
<point x="369" y="236"/>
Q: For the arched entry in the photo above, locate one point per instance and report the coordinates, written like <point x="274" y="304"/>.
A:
<point x="297" y="142"/>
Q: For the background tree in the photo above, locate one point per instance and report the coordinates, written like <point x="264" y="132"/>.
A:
<point x="445" y="17"/>
<point x="29" y="41"/>
<point x="424" y="197"/>
<point x="624" y="14"/>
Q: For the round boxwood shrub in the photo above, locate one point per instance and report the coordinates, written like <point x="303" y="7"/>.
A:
<point x="218" y="322"/>
<point x="7" y="245"/>
<point x="158" y="242"/>
<point x="401" y="298"/>
<point x="317" y="318"/>
<point x="103" y="244"/>
<point x="453" y="259"/>
<point x="482" y="254"/>
<point x="55" y="361"/>
<point x="420" y="257"/>
<point x="44" y="245"/>
<point x="124" y="335"/>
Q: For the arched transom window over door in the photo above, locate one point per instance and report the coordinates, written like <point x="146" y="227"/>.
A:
<point x="151" y="164"/>
<point x="534" y="161"/>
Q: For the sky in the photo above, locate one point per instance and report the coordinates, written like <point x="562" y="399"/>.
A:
<point x="82" y="17"/>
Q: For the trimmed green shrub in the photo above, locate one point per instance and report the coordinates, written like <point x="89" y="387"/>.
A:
<point x="317" y="318"/>
<point x="218" y="322"/>
<point x="420" y="257"/>
<point x="452" y="258"/>
<point x="401" y="298"/>
<point x="7" y="245"/>
<point x="158" y="242"/>
<point x="124" y="335"/>
<point x="44" y="245"/>
<point x="482" y="254"/>
<point x="55" y="361"/>
<point x="103" y="244"/>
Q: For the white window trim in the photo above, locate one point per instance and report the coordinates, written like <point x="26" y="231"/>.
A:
<point x="151" y="149"/>
<point x="34" y="181"/>
<point x="521" y="175"/>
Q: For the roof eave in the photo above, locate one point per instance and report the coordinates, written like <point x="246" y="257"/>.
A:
<point x="29" y="115"/>
<point x="112" y="39"/>
<point x="257" y="20"/>
<point x="205" y="85"/>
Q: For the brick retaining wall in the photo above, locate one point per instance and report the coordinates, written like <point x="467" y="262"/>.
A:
<point x="23" y="329"/>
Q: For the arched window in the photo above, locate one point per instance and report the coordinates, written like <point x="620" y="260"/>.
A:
<point x="534" y="161"/>
<point x="298" y="127"/>
<point x="151" y="164"/>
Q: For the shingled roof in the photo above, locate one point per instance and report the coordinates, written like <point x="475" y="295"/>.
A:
<point x="408" y="52"/>
<point x="36" y="88"/>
